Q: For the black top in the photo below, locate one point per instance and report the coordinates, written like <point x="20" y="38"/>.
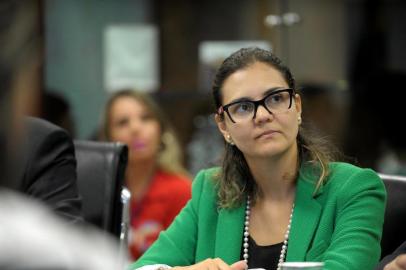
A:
<point x="262" y="256"/>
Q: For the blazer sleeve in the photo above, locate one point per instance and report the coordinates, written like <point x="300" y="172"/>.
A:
<point x="176" y="246"/>
<point x="355" y="243"/>
<point x="50" y="174"/>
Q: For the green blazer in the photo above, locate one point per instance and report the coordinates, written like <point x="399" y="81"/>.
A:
<point x="340" y="225"/>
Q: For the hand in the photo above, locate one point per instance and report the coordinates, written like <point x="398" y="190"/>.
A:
<point x="214" y="264"/>
<point x="397" y="264"/>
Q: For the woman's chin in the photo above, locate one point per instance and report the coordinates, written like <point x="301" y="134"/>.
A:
<point x="140" y="157"/>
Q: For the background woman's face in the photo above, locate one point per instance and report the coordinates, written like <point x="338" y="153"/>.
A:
<point x="132" y="123"/>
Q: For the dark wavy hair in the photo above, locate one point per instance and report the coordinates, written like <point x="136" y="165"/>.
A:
<point x="235" y="179"/>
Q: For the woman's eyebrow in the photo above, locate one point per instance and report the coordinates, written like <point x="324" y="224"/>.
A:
<point x="240" y="99"/>
<point x="267" y="92"/>
<point x="271" y="90"/>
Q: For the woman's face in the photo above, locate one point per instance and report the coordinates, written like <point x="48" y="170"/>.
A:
<point x="132" y="123"/>
<point x="268" y="134"/>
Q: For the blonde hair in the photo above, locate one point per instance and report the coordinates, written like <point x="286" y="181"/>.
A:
<point x="170" y="156"/>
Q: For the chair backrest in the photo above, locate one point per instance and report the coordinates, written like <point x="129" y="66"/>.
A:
<point x="394" y="232"/>
<point x="100" y="172"/>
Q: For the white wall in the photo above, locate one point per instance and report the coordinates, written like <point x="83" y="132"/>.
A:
<point x="74" y="52"/>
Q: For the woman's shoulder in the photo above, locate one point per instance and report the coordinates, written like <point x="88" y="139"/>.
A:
<point x="342" y="173"/>
<point x="210" y="173"/>
<point x="205" y="180"/>
<point x="171" y="184"/>
<point x="347" y="169"/>
<point x="170" y="177"/>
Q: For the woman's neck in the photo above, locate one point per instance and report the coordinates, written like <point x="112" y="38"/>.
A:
<point x="276" y="177"/>
<point x="138" y="176"/>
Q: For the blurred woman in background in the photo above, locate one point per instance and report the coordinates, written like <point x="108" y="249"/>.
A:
<point x="158" y="183"/>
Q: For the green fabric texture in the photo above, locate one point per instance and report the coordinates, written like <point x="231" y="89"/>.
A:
<point x="340" y="225"/>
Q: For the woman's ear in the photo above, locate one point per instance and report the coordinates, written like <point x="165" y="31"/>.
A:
<point x="221" y="125"/>
<point x="298" y="104"/>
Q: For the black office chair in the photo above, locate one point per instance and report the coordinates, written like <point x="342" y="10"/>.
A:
<point x="100" y="173"/>
<point x="394" y="232"/>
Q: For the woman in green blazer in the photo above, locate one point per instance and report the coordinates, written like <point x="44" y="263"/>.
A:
<point x="278" y="195"/>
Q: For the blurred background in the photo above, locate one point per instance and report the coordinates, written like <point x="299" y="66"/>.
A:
<point x="348" y="57"/>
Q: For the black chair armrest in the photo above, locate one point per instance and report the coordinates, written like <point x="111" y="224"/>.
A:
<point x="100" y="174"/>
<point x="394" y="233"/>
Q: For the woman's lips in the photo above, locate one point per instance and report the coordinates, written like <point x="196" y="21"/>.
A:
<point x="267" y="134"/>
<point x="138" y="145"/>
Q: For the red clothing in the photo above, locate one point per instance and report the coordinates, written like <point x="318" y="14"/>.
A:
<point x="165" y="197"/>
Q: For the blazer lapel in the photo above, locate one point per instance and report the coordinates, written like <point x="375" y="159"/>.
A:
<point x="229" y="234"/>
<point x="306" y="215"/>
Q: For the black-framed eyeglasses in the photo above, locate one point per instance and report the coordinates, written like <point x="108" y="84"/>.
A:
<point x="278" y="101"/>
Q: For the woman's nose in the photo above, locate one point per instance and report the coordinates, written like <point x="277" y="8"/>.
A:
<point x="135" y="126"/>
<point x="262" y="114"/>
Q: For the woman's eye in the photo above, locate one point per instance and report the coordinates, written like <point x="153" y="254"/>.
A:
<point x="243" y="107"/>
<point x="122" y="122"/>
<point x="276" y="98"/>
<point x="147" y="117"/>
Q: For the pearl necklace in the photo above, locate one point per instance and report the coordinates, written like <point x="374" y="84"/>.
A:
<point x="247" y="234"/>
